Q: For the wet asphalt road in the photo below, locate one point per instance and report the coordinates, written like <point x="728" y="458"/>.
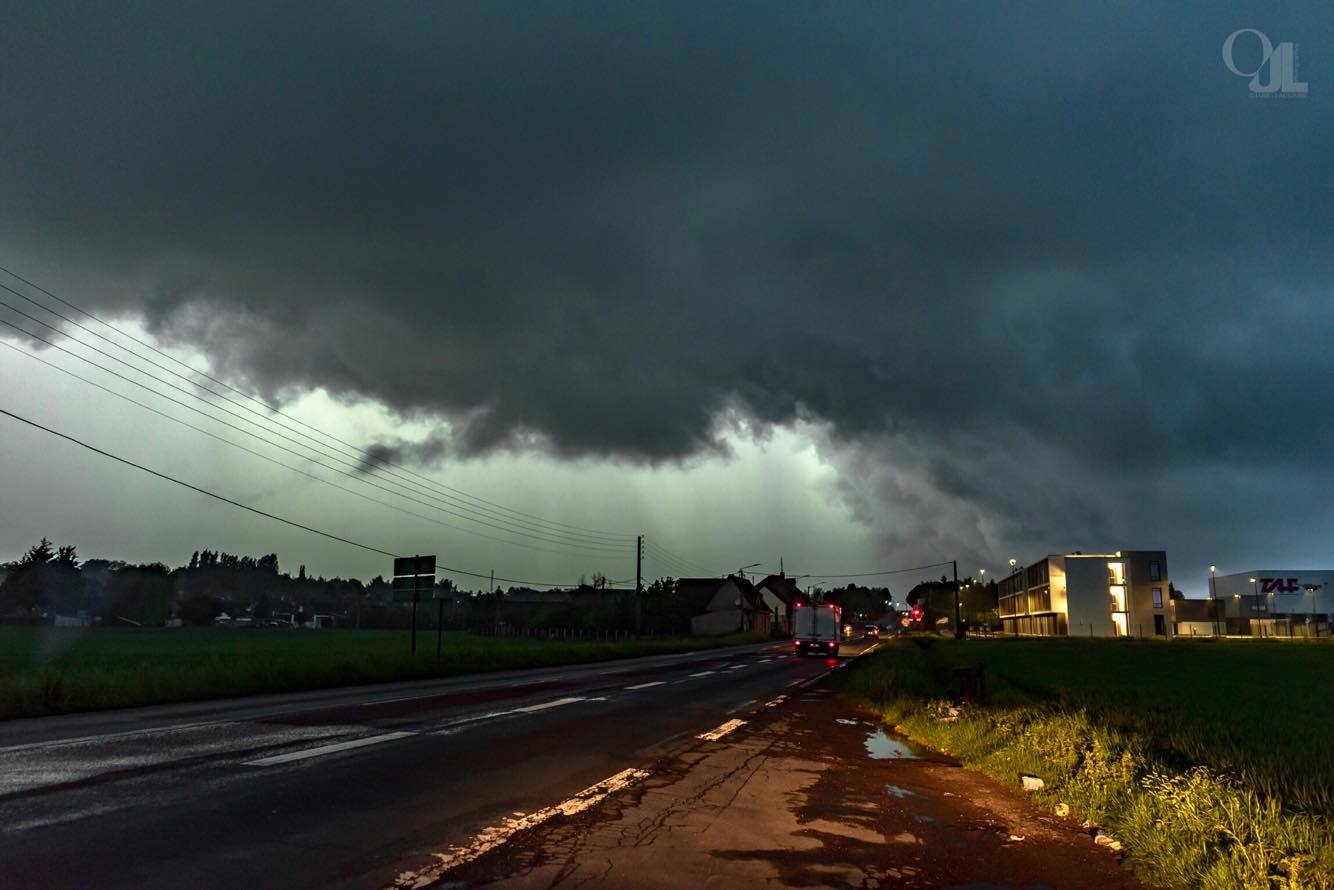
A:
<point x="809" y="793"/>
<point x="347" y="788"/>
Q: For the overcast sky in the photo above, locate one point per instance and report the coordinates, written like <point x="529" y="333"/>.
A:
<point x="855" y="285"/>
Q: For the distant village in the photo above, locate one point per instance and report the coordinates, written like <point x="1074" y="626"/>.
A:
<point x="1107" y="594"/>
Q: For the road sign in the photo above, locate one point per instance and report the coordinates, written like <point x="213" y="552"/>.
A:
<point x="414" y="578"/>
<point x="414" y="565"/>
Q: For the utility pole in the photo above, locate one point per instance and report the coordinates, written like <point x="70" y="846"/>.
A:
<point x="958" y="625"/>
<point x="439" y="623"/>
<point x="639" y="583"/>
<point x="416" y="568"/>
<point x="496" y="594"/>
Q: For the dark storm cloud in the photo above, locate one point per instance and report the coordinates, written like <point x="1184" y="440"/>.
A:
<point x="594" y="228"/>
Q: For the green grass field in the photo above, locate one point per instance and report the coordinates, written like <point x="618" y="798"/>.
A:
<point x="61" y="670"/>
<point x="1212" y="761"/>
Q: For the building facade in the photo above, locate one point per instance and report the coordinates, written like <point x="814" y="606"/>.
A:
<point x="1119" y="594"/>
<point x="1275" y="602"/>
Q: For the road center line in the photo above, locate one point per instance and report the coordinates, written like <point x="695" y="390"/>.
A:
<point x="328" y="749"/>
<point x="555" y="703"/>
<point x="714" y="735"/>
<point x="496" y="835"/>
<point x="647" y="685"/>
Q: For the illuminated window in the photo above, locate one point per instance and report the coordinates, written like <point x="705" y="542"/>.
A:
<point x="1157" y="597"/>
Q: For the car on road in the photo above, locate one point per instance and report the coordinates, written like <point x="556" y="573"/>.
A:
<point x="871" y="631"/>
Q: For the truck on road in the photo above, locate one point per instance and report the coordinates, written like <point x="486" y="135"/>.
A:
<point x="815" y="629"/>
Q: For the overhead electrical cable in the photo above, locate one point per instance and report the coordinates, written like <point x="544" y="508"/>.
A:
<point x="823" y="576"/>
<point x="509" y="526"/>
<point x="330" y="535"/>
<point x="359" y="452"/>
<point x="276" y="462"/>
<point x="603" y="549"/>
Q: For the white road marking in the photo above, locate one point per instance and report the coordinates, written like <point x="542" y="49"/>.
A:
<point x="647" y="685"/>
<point x="795" y="683"/>
<point x="555" y="703"/>
<point x="704" y="674"/>
<point x="737" y="667"/>
<point x="775" y="702"/>
<point x="328" y="749"/>
<point x="714" y="735"/>
<point x="749" y="701"/>
<point x="494" y="836"/>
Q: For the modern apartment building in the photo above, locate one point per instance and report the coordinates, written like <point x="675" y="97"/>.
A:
<point x="1119" y="594"/>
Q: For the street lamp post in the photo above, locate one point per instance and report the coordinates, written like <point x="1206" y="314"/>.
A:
<point x="1213" y="595"/>
<point x="1255" y="607"/>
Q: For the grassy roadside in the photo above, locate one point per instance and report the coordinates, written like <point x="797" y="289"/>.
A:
<point x="62" y="670"/>
<point x="1213" y="763"/>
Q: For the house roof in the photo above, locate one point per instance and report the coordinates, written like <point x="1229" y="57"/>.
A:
<point x="698" y="592"/>
<point x="782" y="587"/>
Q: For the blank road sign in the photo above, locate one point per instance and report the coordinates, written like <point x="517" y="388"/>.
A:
<point x="414" y="565"/>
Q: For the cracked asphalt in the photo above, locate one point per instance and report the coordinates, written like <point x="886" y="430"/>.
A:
<point x="807" y="794"/>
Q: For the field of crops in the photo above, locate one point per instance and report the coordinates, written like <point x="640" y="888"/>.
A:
<point x="59" y="670"/>
<point x="1213" y="761"/>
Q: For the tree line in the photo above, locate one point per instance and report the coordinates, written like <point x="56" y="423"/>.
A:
<point x="218" y="587"/>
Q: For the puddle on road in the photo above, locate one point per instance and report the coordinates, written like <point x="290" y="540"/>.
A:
<point x="901" y="793"/>
<point x="882" y="746"/>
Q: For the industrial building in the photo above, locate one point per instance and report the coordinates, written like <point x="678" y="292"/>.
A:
<point x="1125" y="593"/>
<point x="1274" y="602"/>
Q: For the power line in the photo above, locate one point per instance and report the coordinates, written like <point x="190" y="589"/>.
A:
<point x="667" y="557"/>
<point x="203" y="491"/>
<point x="279" y="463"/>
<point x="510" y="526"/>
<point x="933" y="565"/>
<point x="358" y="452"/>
<point x="351" y="475"/>
<point x="226" y="500"/>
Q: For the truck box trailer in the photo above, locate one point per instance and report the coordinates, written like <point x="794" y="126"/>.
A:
<point x="815" y="629"/>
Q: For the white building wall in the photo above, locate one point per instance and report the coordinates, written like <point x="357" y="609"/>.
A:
<point x="1088" y="602"/>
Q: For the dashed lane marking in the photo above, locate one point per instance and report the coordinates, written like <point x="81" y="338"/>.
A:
<point x="749" y="701"/>
<point x="714" y="735"/>
<point x="646" y="685"/>
<point x="704" y="674"/>
<point x="322" y="750"/>
<point x="773" y="703"/>
<point x="494" y="836"/>
<point x="555" y="703"/>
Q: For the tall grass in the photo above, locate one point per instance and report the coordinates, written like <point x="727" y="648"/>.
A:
<point x="1211" y="762"/>
<point x="62" y="670"/>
